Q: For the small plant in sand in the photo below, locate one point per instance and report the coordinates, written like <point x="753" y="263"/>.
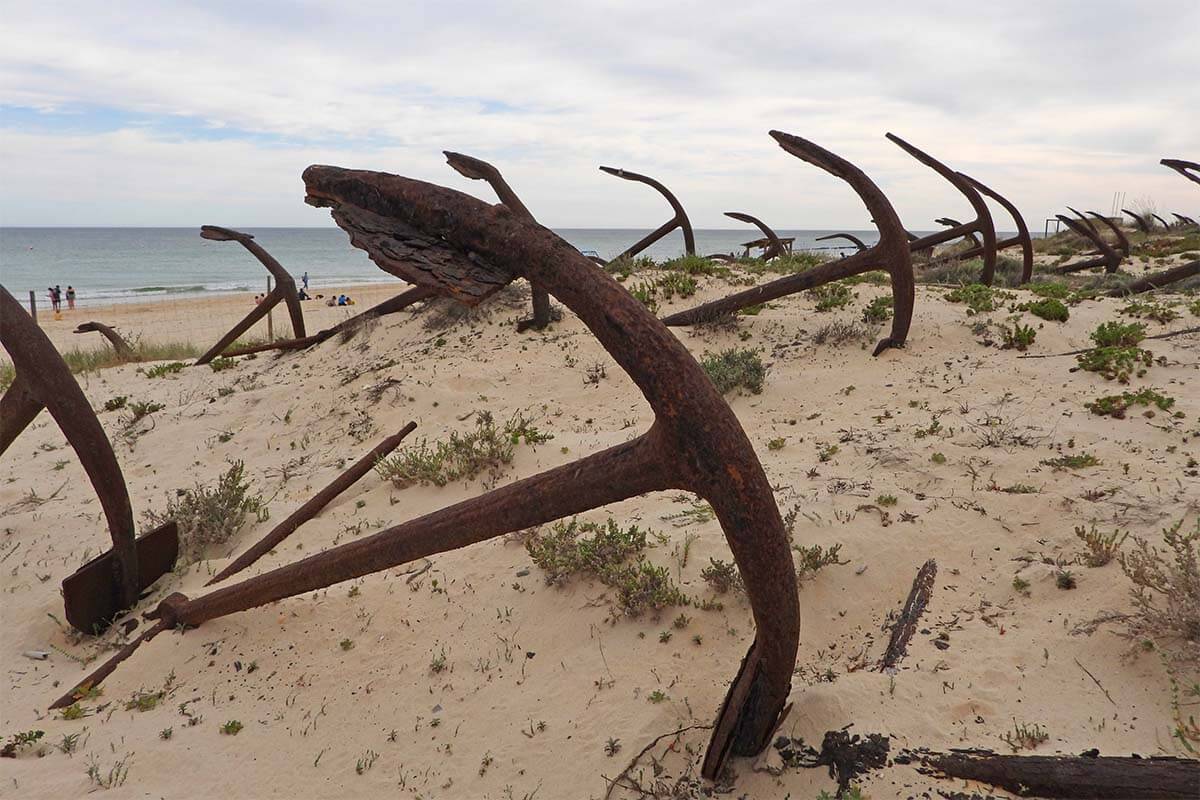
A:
<point x="487" y="449"/>
<point x="879" y="309"/>
<point x="232" y="728"/>
<point x="646" y="293"/>
<point x="1050" y="289"/>
<point x="1118" y="334"/>
<point x="1116" y="363"/>
<point x="1166" y="592"/>
<point x="811" y="560"/>
<point x="694" y="265"/>
<point x="1018" y="337"/>
<point x="113" y="778"/>
<point x="210" y="516"/>
<point x="977" y="297"/>
<point x="676" y="283"/>
<point x="840" y="332"/>
<point x="1048" y="308"/>
<point x="1064" y="579"/>
<point x="1159" y="312"/>
<point x="1115" y="405"/>
<point x="140" y="409"/>
<point x="20" y="741"/>
<point x="722" y="576"/>
<point x="367" y="761"/>
<point x="736" y="368"/>
<point x="222" y="363"/>
<point x="1025" y="737"/>
<point x="1101" y="547"/>
<point x="1080" y="461"/>
<point x="777" y="443"/>
<point x="161" y="370"/>
<point x="115" y="403"/>
<point x="886" y="500"/>
<point x="144" y="701"/>
<point x="831" y="296"/>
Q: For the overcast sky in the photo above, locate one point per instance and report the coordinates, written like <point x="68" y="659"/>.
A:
<point x="162" y="113"/>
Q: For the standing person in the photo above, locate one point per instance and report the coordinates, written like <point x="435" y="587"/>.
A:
<point x="53" y="298"/>
<point x="305" y="280"/>
<point x="58" y="295"/>
<point x="70" y="298"/>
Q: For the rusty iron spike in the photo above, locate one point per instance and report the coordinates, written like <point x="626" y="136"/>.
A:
<point x="1166" y="225"/>
<point x="479" y="170"/>
<point x="1122" y="239"/>
<point x="776" y="248"/>
<point x="1139" y="220"/>
<point x="113" y="581"/>
<point x="1188" y="169"/>
<point x="464" y="247"/>
<point x="982" y="224"/>
<point x="1022" y="238"/>
<point x="284" y="290"/>
<point x="679" y="220"/>
<point x="890" y="253"/>
<point x="118" y="342"/>
<point x="1083" y="218"/>
<point x="858" y="243"/>
<point x="1108" y="258"/>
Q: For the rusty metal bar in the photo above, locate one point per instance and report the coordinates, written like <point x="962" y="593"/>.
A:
<point x="679" y="220"/>
<point x="1158" y="280"/>
<point x="284" y="291"/>
<point x="1183" y="220"/>
<point x="890" y="253"/>
<point x="463" y="247"/>
<point x="950" y="222"/>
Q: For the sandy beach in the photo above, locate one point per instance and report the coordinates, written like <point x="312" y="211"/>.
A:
<point x="468" y="676"/>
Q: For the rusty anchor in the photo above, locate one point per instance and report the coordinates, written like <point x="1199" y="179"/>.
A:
<point x="113" y="581"/>
<point x="1188" y="169"/>
<point x="118" y="342"/>
<point x="462" y="247"/>
<point x="1109" y="258"/>
<point x="1139" y="220"/>
<point x="890" y="253"/>
<point x="773" y="246"/>
<point x="284" y="290"/>
<point x="679" y="220"/>
<point x="858" y="243"/>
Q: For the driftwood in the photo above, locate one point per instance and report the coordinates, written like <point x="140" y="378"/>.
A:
<point x="1087" y="776"/>
<point x="678" y="220"/>
<point x="115" y="339"/>
<point x="465" y="248"/>
<point x="475" y="169"/>
<point x="284" y="290"/>
<point x="113" y="581"/>
<point x="890" y="253"/>
<point x="314" y="505"/>
<point x="1158" y="279"/>
<point x="906" y="624"/>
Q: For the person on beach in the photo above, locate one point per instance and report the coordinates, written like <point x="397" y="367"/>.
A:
<point x="70" y="298"/>
<point x="58" y="295"/>
<point x="53" y="299"/>
<point x="304" y="280"/>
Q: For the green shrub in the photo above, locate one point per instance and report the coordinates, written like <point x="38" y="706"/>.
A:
<point x="1166" y="592"/>
<point x="879" y="309"/>
<point x="722" y="576"/>
<point x="165" y="369"/>
<point x="115" y="403"/>
<point x="1101" y="547"/>
<point x="1116" y="363"/>
<point x="1049" y="308"/>
<point x="736" y="368"/>
<point x="222" y="363"/>
<point x="1054" y="289"/>
<point x="1115" y="405"/>
<point x="646" y="293"/>
<point x="462" y="456"/>
<point x="978" y="298"/>
<point x="676" y="283"/>
<point x="831" y="296"/>
<point x="810" y="560"/>
<point x="1081" y="461"/>
<point x="1018" y="336"/>
<point x="1118" y="334"/>
<point x="208" y="517"/>
<point x="1159" y="312"/>
<point x="694" y="265"/>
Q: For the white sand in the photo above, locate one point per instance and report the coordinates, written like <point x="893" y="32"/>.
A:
<point x="519" y="653"/>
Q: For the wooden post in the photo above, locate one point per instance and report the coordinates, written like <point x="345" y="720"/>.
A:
<point x="270" y="322"/>
<point x="33" y="305"/>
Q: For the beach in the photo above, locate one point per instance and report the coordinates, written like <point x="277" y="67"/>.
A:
<point x="467" y="675"/>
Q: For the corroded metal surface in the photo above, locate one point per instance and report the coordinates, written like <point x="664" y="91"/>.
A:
<point x="283" y="291"/>
<point x="1109" y="258"/>
<point x="115" y="339"/>
<point x="858" y="243"/>
<point x="43" y="380"/>
<point x="890" y="253"/>
<point x="776" y="247"/>
<point x="1139" y="220"/>
<point x="1188" y="169"/>
<point x="457" y="244"/>
<point x="679" y="220"/>
<point x="1122" y="239"/>
<point x="1022" y="239"/>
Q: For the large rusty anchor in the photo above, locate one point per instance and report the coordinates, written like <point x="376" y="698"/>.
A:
<point x="858" y="243"/>
<point x="284" y="290"/>
<point x="462" y="247"/>
<point x="475" y="169"/>
<point x="1188" y="169"/>
<point x="679" y="220"/>
<point x="775" y="246"/>
<point x="1108" y="258"/>
<point x="120" y="346"/>
<point x="1139" y="219"/>
<point x="114" y="580"/>
<point x="890" y="253"/>
<point x="1022" y="239"/>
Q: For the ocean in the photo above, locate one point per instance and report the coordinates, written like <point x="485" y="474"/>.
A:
<point x="114" y="265"/>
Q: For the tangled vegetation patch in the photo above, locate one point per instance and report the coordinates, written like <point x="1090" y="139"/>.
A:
<point x="463" y="456"/>
<point x="736" y="368"/>
<point x="1166" y="592"/>
<point x="879" y="309"/>
<point x="977" y="297"/>
<point x="831" y="296"/>
<point x="1116" y="363"/>
<point x="1018" y="337"/>
<point x="210" y="516"/>
<point x="1048" y="308"/>
<point x="1118" y="334"/>
<point x="601" y="551"/>
<point x="1159" y="312"/>
<point x="1115" y="405"/>
<point x="1050" y="289"/>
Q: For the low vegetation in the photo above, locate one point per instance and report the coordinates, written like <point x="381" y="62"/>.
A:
<point x="1018" y="337"/>
<point x="1116" y="405"/>
<point x="464" y="456"/>
<point x="210" y="516"/>
<point x="737" y="368"/>
<point x="1166" y="592"/>
<point x="1101" y="547"/>
<point x="831" y="296"/>
<point x="1049" y="308"/>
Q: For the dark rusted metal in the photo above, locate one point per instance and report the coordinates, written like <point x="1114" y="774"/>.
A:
<point x="776" y="247"/>
<point x="284" y="290"/>
<point x="1166" y="225"/>
<point x="858" y="243"/>
<point x="476" y="169"/>
<point x="982" y="224"/>
<point x="1188" y="169"/>
<point x="436" y="237"/>
<point x="1139" y="220"/>
<point x="890" y="253"/>
<point x="679" y="220"/>
<point x="1022" y="238"/>
<point x="1158" y="279"/>
<point x="115" y="339"/>
<point x="314" y="505"/>
<point x="1109" y="259"/>
<point x="1122" y="239"/>
<point x="1183" y="220"/>
<point x="906" y="624"/>
<point x="950" y="222"/>
<point x="97" y="590"/>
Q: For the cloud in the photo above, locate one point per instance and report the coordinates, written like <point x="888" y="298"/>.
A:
<point x="171" y="114"/>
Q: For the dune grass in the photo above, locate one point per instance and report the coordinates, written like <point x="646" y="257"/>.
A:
<point x="82" y="361"/>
